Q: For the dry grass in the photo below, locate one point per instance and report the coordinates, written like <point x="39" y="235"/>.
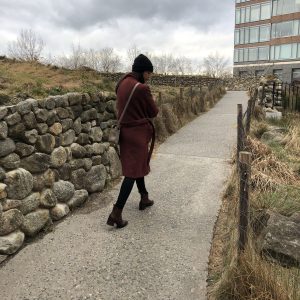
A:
<point x="292" y="139"/>
<point x="250" y="276"/>
<point x="38" y="80"/>
<point x="175" y="111"/>
<point x="275" y="186"/>
<point x="267" y="171"/>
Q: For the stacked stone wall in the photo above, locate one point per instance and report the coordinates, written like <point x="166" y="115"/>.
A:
<point x="53" y="154"/>
<point x="235" y="83"/>
<point x="171" y="80"/>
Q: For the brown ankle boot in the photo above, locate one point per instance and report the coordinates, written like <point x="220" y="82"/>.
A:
<point x="116" y="218"/>
<point x="145" y="202"/>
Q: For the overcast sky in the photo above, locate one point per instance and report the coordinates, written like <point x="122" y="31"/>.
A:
<point x="193" y="28"/>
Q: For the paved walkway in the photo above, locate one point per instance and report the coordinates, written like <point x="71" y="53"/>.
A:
<point x="163" y="252"/>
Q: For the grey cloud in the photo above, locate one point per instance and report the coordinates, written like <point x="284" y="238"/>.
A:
<point x="78" y="14"/>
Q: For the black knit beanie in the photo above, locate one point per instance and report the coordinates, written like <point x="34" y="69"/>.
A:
<point x="142" y="64"/>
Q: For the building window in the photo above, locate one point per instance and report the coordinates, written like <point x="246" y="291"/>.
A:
<point x="254" y="34"/>
<point x="285" y="51"/>
<point x="237" y="16"/>
<point x="248" y="10"/>
<point x="285" y="29"/>
<point x="241" y="55"/>
<point x="264" y="33"/>
<point x="259" y="73"/>
<point x="253" y="54"/>
<point x="281" y="7"/>
<point x="263" y="53"/>
<point x="278" y="73"/>
<point x="242" y="36"/>
<point x="236" y="37"/>
<point x="236" y="56"/>
<point x="294" y="51"/>
<point x="296" y="74"/>
<point x="243" y="73"/>
<point x="255" y="13"/>
<point x="247" y="35"/>
<point x="265" y="11"/>
<point x="246" y="54"/>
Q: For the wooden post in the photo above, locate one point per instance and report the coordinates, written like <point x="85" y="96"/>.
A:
<point x="254" y="101"/>
<point x="249" y="114"/>
<point x="181" y="94"/>
<point x="191" y="91"/>
<point x="240" y="132"/>
<point x="160" y="103"/>
<point x="202" y="103"/>
<point x="245" y="173"/>
<point x="160" y="98"/>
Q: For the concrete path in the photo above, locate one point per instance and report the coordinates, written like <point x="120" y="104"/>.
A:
<point x="163" y="252"/>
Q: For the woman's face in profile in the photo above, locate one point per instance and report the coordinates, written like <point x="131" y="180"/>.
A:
<point x="147" y="75"/>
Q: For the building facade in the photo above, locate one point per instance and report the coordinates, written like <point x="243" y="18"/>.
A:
<point x="267" y="38"/>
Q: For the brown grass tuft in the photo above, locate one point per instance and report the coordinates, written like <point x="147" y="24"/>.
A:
<point x="292" y="139"/>
<point x="267" y="171"/>
<point x="170" y="119"/>
<point x="160" y="128"/>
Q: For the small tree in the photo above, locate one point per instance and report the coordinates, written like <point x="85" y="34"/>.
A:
<point x="28" y="46"/>
<point x="215" y="65"/>
<point x="109" y="61"/>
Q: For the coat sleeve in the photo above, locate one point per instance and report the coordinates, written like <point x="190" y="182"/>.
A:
<point x="151" y="107"/>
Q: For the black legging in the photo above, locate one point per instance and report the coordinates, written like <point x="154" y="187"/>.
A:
<point x="126" y="189"/>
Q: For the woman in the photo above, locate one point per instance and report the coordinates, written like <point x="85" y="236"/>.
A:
<point x="136" y="133"/>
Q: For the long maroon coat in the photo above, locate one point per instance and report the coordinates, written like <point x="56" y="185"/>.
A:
<point x="136" y="130"/>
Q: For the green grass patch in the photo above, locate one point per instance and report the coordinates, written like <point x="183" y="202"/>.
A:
<point x="285" y="200"/>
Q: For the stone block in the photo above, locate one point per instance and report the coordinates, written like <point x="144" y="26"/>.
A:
<point x="35" y="221"/>
<point x="19" y="184"/>
<point x="10" y="221"/>
<point x="7" y="146"/>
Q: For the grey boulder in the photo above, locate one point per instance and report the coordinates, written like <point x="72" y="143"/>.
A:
<point x="11" y="243"/>
<point x="63" y="190"/>
<point x="35" y="221"/>
<point x="19" y="184"/>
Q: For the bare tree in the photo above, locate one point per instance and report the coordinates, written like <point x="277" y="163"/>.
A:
<point x="109" y="61"/>
<point x="28" y="46"/>
<point x="163" y="63"/>
<point x="77" y="57"/>
<point x="75" y="60"/>
<point x="215" y="65"/>
<point x="93" y="59"/>
<point x="132" y="53"/>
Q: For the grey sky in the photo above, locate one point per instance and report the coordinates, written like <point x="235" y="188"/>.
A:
<point x="193" y="28"/>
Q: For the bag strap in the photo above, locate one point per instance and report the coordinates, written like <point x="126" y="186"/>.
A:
<point x="125" y="108"/>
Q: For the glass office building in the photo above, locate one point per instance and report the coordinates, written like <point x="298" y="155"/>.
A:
<point x="267" y="38"/>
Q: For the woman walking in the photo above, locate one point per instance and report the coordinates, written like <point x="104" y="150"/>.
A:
<point x="137" y="131"/>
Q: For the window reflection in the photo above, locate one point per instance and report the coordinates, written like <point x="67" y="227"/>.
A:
<point x="285" y="51"/>
<point x="253" y="13"/>
<point x="281" y="7"/>
<point x="253" y="34"/>
<point x="284" y="29"/>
